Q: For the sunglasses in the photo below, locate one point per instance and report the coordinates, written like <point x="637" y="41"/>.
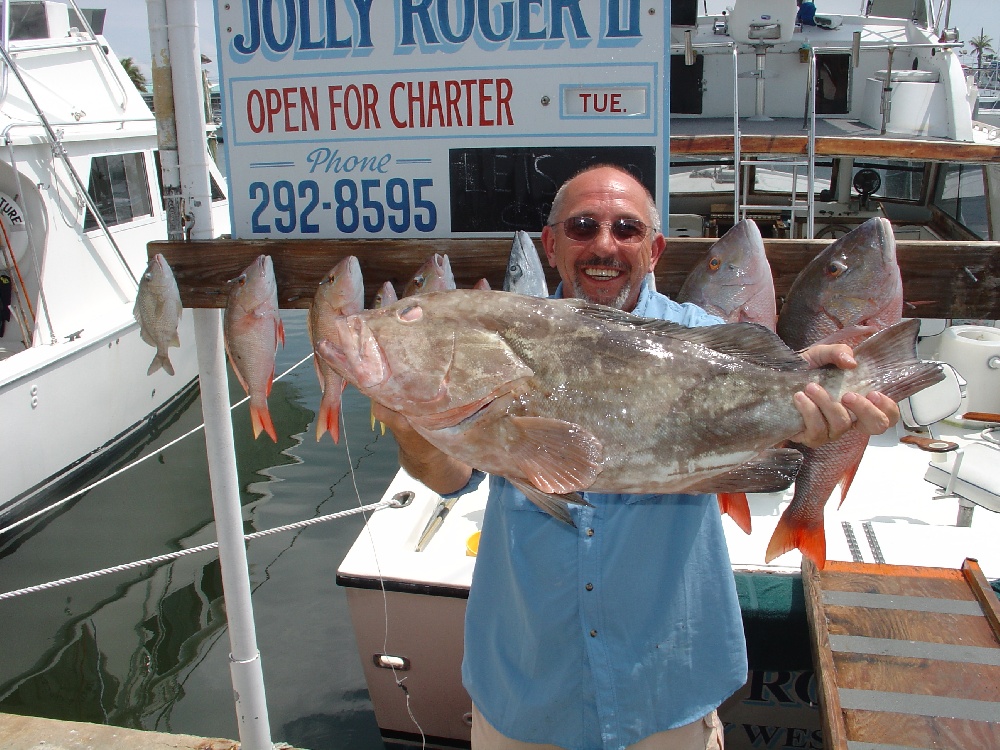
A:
<point x="585" y="228"/>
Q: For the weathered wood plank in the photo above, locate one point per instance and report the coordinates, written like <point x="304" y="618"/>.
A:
<point x="834" y="729"/>
<point x="938" y="587"/>
<point x="896" y="674"/>
<point x="910" y="730"/>
<point x="888" y="148"/>
<point x="983" y="592"/>
<point x="907" y="625"/>
<point x="940" y="279"/>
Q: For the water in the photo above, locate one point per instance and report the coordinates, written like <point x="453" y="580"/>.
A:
<point x="149" y="649"/>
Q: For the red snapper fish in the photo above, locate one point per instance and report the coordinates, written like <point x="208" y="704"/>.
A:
<point x="158" y="310"/>
<point x="561" y="396"/>
<point x="253" y="329"/>
<point x="341" y="292"/>
<point x="433" y="276"/>
<point x="849" y="291"/>
<point x="385" y="296"/>
<point x="733" y="281"/>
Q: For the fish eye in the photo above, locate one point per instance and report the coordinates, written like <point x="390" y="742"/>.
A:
<point x="419" y="280"/>
<point x="715" y="263"/>
<point x="835" y="268"/>
<point x="410" y="314"/>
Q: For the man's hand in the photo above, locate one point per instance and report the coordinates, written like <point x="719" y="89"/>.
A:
<point x="439" y="471"/>
<point x="826" y="419"/>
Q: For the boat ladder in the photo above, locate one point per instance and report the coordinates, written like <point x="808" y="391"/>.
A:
<point x="797" y="206"/>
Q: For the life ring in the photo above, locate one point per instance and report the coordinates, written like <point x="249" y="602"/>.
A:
<point x="15" y="230"/>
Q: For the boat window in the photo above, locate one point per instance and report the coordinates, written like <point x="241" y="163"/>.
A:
<point x="833" y="84"/>
<point x="901" y="180"/>
<point x="961" y="193"/>
<point x="774" y="177"/>
<point x="119" y="189"/>
<point x="28" y="21"/>
<point x="701" y="175"/>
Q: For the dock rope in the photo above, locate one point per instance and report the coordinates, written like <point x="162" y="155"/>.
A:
<point x="159" y="559"/>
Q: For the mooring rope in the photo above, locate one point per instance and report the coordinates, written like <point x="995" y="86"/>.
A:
<point x="159" y="559"/>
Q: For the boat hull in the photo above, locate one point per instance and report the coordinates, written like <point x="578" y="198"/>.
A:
<point x="71" y="403"/>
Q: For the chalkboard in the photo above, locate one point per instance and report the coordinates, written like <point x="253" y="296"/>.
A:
<point x="504" y="189"/>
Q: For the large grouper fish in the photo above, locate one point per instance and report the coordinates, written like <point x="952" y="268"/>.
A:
<point x="561" y="396"/>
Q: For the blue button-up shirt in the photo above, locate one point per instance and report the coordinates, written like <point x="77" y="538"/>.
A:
<point x="600" y="635"/>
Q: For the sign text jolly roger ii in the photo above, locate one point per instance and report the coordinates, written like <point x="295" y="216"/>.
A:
<point x="432" y="118"/>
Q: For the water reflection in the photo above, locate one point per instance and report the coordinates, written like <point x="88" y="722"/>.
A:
<point x="149" y="649"/>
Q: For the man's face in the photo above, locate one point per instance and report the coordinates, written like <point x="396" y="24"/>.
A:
<point x="605" y="269"/>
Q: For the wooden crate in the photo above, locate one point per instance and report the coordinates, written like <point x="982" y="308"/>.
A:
<point x="905" y="657"/>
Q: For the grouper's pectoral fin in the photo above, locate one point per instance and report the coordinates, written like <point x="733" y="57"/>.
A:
<point x="738" y="508"/>
<point x="554" y="456"/>
<point x="555" y="505"/>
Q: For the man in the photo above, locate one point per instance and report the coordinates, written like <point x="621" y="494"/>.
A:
<point x="625" y="630"/>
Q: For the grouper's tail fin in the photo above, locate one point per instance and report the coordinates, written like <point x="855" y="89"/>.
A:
<point x="888" y="363"/>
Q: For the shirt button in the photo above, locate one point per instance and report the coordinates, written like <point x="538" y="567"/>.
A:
<point x="589" y="587"/>
<point x="590" y="532"/>
<point x="593" y="633"/>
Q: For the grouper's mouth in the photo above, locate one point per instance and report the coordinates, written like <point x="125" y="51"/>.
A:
<point x="354" y="353"/>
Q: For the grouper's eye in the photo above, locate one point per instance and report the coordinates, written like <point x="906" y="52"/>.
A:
<point x="410" y="314"/>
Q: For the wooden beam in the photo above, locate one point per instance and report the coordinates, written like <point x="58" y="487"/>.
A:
<point x="886" y="148"/>
<point x="940" y="279"/>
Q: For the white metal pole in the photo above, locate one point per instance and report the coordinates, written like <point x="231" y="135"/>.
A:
<point x="244" y="658"/>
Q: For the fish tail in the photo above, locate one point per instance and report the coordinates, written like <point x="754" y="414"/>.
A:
<point x="160" y="361"/>
<point x="738" y="508"/>
<point x="888" y="363"/>
<point x="260" y="419"/>
<point x="329" y="415"/>
<point x="791" y="533"/>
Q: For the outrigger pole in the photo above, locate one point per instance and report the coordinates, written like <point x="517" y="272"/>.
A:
<point x="177" y="56"/>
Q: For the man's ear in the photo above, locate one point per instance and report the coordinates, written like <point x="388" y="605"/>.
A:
<point x="659" y="245"/>
<point x="549" y="244"/>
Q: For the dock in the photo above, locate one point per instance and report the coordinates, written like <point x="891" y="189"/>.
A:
<point x="32" y="733"/>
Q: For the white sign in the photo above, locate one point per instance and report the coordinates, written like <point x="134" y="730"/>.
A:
<point x="432" y="118"/>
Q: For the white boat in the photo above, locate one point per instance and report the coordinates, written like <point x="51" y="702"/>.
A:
<point x="891" y="135"/>
<point x="80" y="199"/>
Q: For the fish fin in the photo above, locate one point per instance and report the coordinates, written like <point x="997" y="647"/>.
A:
<point x="554" y="455"/>
<point x="555" y="504"/>
<point x="889" y="360"/>
<point x="771" y="471"/>
<point x="329" y="413"/>
<point x="738" y="508"/>
<point x="175" y="340"/>
<point x="847" y="335"/>
<point x="280" y="331"/>
<point x="751" y="341"/>
<point x="319" y="372"/>
<point x="260" y="420"/>
<point x="167" y="365"/>
<point x="789" y="535"/>
<point x="848" y="479"/>
<point x="155" y="365"/>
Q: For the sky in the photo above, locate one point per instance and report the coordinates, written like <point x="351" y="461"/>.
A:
<point x="127" y="31"/>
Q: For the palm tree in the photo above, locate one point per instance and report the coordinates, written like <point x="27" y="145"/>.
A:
<point x="134" y="74"/>
<point x="981" y="44"/>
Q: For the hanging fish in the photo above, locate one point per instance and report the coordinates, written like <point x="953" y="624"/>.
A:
<point x="253" y="330"/>
<point x="158" y="310"/>
<point x="846" y="293"/>
<point x="341" y="292"/>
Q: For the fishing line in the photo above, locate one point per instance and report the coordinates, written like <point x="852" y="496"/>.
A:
<point x="112" y="475"/>
<point x="381" y="582"/>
